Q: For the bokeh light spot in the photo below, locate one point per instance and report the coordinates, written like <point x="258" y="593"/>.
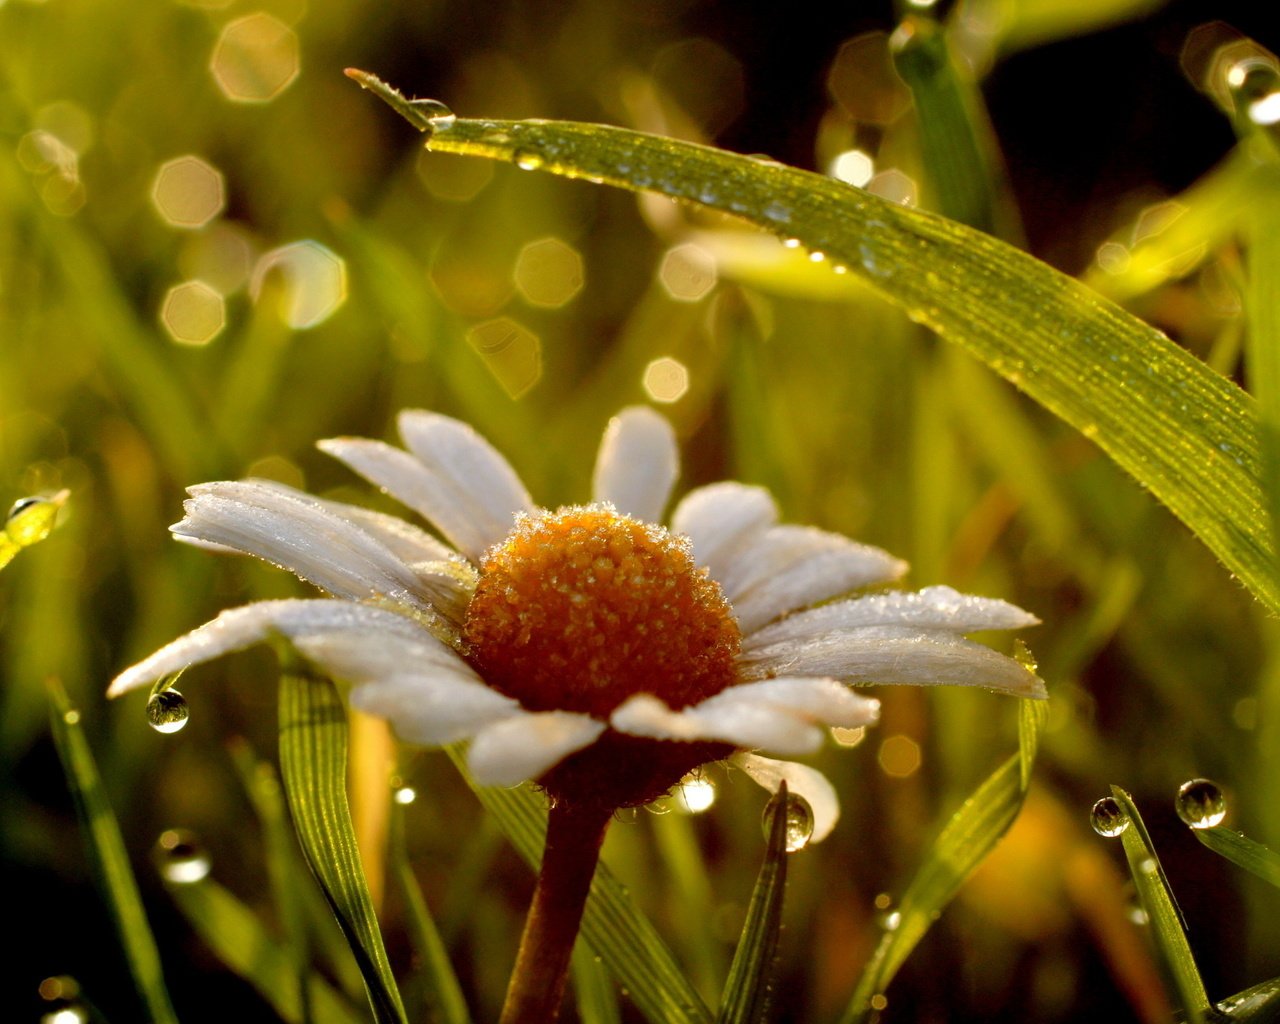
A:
<point x="255" y="58"/>
<point x="687" y="272"/>
<point x="193" y="313"/>
<point x="1113" y="257"/>
<point x="695" y="794"/>
<point x="548" y="273"/>
<point x="313" y="281"/>
<point x="221" y="255"/>
<point x="853" y="166"/>
<point x="511" y="351"/>
<point x="188" y="192"/>
<point x="862" y="80"/>
<point x="666" y="379"/>
<point x="895" y="186"/>
<point x="899" y="756"/>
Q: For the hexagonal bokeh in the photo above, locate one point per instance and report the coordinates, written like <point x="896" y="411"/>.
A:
<point x="511" y="351"/>
<point x="853" y="166"/>
<point x="862" y="80"/>
<point x="666" y="379"/>
<point x="453" y="178"/>
<point x="193" y="313"/>
<point x="255" y="58"/>
<point x="188" y="192"/>
<point x="312" y="279"/>
<point x="687" y="272"/>
<point x="895" y="186"/>
<point x="548" y="273"/>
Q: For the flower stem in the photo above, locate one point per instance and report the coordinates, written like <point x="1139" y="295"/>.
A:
<point x="574" y="836"/>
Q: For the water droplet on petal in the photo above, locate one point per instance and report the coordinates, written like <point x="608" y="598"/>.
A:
<point x="1200" y="803"/>
<point x="799" y="823"/>
<point x="528" y="159"/>
<point x="440" y="116"/>
<point x="1107" y="818"/>
<point x="181" y="857"/>
<point x="167" y="711"/>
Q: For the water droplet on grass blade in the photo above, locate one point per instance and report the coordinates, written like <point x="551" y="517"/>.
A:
<point x="1200" y="803"/>
<point x="181" y="857"/>
<point x="1107" y="818"/>
<point x="437" y="114"/>
<point x="528" y="159"/>
<point x="799" y="823"/>
<point x="167" y="711"/>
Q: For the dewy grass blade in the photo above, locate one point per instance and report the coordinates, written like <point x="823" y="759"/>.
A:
<point x="313" y="764"/>
<point x="593" y="990"/>
<point x="747" y="989"/>
<point x="1184" y="432"/>
<point x="1259" y="1004"/>
<point x="443" y="993"/>
<point x="1243" y="851"/>
<point x="967" y="838"/>
<point x="107" y="851"/>
<point x="241" y="942"/>
<point x="625" y="940"/>
<point x="1162" y="912"/>
<point x="1262" y="347"/>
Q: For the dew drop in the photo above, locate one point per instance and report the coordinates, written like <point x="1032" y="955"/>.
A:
<point x="799" y="823"/>
<point x="181" y="857"/>
<point x="437" y="114"/>
<point x="528" y="159"/>
<point x="791" y="243"/>
<point x="1200" y="803"/>
<point x="778" y="212"/>
<point x="1107" y="818"/>
<point x="167" y="711"/>
<point x="20" y="506"/>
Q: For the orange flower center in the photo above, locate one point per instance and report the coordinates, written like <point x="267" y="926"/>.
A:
<point x="579" y="609"/>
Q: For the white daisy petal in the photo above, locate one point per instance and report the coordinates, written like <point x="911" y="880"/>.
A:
<point x="411" y="483"/>
<point x="802" y="781"/>
<point x="742" y="723"/>
<point x="931" y="608"/>
<point x="242" y="627"/>
<point x="720" y="520"/>
<point x="791" y="567"/>
<point x="638" y="464"/>
<point x="527" y="745"/>
<point x="297" y="534"/>
<point x="471" y="468"/>
<point x="886" y="654"/>
<point x="433" y="709"/>
<point x="821" y="700"/>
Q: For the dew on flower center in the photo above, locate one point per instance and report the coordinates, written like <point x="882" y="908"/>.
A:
<point x="581" y="608"/>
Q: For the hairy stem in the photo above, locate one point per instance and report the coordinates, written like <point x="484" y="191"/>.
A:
<point x="574" y="835"/>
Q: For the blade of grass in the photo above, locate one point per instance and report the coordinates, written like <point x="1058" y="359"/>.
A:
<point x="1258" y="1004"/>
<point x="110" y="860"/>
<point x="241" y="942"/>
<point x="313" y="765"/>
<point x="1154" y="408"/>
<point x="1243" y="851"/>
<point x="444" y="994"/>
<point x="692" y="898"/>
<point x="970" y="834"/>
<point x="1262" y="339"/>
<point x="748" y="987"/>
<point x="625" y="940"/>
<point x="1162" y="912"/>
<point x="594" y="991"/>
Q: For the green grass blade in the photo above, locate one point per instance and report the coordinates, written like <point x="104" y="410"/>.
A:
<point x="625" y="940"/>
<point x="1262" y="347"/>
<point x="747" y="989"/>
<point x="1258" y="1004"/>
<point x="956" y="143"/>
<point x="1154" y="408"/>
<point x="241" y="942"/>
<point x="1162" y="912"/>
<point x="968" y="837"/>
<point x="1243" y="851"/>
<point x="111" y="861"/>
<point x="313" y="765"/>
<point x="444" y="994"/>
<point x="593" y="989"/>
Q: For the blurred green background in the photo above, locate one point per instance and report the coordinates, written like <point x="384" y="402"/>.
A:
<point x="214" y="250"/>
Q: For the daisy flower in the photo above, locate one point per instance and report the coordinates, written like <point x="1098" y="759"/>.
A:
<point x="587" y="648"/>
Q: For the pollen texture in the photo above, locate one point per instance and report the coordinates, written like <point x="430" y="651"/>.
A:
<point x="579" y="609"/>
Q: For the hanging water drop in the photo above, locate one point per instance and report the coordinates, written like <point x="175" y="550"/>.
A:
<point x="1108" y="818"/>
<point x="167" y="711"/>
<point x="438" y="116"/>
<point x="181" y="857"/>
<point x="528" y="159"/>
<point x="799" y="823"/>
<point x="1200" y="803"/>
